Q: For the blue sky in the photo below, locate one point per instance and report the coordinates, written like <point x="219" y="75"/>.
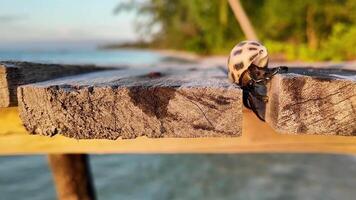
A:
<point x="29" y="21"/>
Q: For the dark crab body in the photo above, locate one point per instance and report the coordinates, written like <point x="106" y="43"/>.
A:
<point x="248" y="67"/>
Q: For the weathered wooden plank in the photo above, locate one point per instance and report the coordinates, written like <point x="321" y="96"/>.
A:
<point x="72" y="176"/>
<point x="14" y="74"/>
<point x="113" y="104"/>
<point x="257" y="137"/>
<point x="313" y="101"/>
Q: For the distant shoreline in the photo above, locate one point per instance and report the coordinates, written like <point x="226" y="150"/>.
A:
<point x="170" y="54"/>
<point x="191" y="57"/>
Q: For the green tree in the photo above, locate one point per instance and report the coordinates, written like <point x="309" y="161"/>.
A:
<point x="300" y="29"/>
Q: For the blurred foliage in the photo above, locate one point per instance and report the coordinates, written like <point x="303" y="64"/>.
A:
<point x="296" y="29"/>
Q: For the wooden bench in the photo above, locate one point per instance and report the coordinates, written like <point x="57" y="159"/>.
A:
<point x="165" y="110"/>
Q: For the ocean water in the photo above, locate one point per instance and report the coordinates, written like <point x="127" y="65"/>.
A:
<point x="83" y="56"/>
<point x="160" y="177"/>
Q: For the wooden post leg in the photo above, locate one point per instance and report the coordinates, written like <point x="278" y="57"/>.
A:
<point x="71" y="173"/>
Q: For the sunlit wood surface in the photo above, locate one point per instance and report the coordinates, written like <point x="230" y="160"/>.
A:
<point x="257" y="137"/>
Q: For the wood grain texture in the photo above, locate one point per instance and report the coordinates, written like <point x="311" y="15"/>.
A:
<point x="127" y="104"/>
<point x="313" y="101"/>
<point x="14" y="74"/>
<point x="257" y="137"/>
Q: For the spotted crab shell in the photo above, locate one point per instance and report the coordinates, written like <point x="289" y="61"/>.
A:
<point x="243" y="55"/>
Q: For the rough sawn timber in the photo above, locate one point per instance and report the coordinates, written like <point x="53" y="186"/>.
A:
<point x="128" y="104"/>
<point x="14" y="74"/>
<point x="313" y="101"/>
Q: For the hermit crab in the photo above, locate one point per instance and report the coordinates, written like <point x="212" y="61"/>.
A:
<point x="248" y="67"/>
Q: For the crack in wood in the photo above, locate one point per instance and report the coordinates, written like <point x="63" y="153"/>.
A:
<point x="316" y="99"/>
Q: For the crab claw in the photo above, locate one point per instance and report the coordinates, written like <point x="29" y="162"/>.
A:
<point x="281" y="69"/>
